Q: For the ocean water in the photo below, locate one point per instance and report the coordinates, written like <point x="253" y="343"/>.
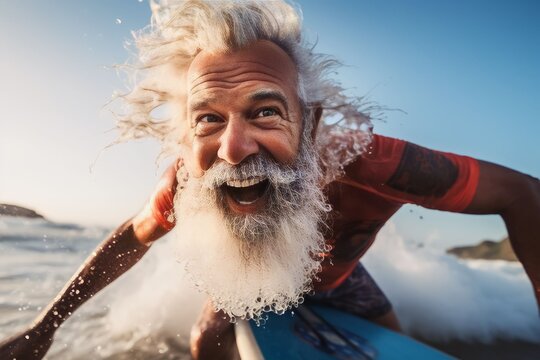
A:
<point x="148" y="313"/>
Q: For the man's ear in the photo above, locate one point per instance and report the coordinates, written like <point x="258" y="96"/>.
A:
<point x="317" y="115"/>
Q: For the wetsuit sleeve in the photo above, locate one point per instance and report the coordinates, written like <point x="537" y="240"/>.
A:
<point x="162" y="201"/>
<point x="407" y="173"/>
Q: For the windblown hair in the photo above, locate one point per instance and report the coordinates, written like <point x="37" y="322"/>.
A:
<point x="180" y="29"/>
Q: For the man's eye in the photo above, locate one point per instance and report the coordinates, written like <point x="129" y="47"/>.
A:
<point x="267" y="112"/>
<point x="209" y="118"/>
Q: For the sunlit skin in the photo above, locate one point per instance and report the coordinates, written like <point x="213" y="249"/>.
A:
<point x="240" y="104"/>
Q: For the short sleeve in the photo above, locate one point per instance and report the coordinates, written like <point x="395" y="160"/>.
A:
<point x="407" y="173"/>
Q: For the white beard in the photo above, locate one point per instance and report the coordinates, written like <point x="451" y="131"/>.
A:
<point x="247" y="272"/>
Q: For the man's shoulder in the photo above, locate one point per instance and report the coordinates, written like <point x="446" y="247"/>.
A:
<point x="378" y="161"/>
<point x="408" y="173"/>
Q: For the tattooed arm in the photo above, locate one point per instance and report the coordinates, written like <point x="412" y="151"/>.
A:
<point x="407" y="173"/>
<point x="403" y="172"/>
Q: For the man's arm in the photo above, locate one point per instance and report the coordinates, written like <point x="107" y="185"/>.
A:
<point x="122" y="249"/>
<point x="407" y="173"/>
<point x="516" y="197"/>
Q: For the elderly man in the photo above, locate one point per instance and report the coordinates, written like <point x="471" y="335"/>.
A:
<point x="269" y="199"/>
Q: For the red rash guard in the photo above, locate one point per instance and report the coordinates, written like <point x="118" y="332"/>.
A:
<point x="391" y="173"/>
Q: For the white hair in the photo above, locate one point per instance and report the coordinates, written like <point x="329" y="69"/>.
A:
<point x="249" y="264"/>
<point x="180" y="29"/>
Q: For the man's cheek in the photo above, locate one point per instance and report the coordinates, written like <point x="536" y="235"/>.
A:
<point x="191" y="158"/>
<point x="203" y="153"/>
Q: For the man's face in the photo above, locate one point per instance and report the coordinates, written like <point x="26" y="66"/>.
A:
<point x="239" y="105"/>
<point x="248" y="217"/>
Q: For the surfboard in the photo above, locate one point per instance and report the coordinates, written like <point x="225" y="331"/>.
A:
<point x="319" y="332"/>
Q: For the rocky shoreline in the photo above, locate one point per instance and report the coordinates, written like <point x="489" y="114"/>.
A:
<point x="19" y="211"/>
<point x="486" y="250"/>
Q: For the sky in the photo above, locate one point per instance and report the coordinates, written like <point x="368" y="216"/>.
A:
<point x="463" y="74"/>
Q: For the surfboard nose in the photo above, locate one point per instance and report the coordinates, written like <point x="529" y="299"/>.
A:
<point x="246" y="343"/>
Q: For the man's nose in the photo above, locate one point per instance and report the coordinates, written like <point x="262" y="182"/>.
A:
<point x="237" y="142"/>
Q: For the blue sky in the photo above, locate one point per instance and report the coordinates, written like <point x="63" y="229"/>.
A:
<point x="465" y="75"/>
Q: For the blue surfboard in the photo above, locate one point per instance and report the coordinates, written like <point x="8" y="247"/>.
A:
<point x="319" y="332"/>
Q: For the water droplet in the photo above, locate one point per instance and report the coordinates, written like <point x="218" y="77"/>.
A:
<point x="27" y="337"/>
<point x="162" y="348"/>
<point x="55" y="313"/>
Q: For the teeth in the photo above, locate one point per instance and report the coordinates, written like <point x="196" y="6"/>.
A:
<point x="246" y="182"/>
<point x="247" y="202"/>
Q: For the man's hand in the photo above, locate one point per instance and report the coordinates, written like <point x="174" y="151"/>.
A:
<point x="32" y="343"/>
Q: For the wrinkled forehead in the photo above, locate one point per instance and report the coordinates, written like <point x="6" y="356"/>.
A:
<point x="261" y="61"/>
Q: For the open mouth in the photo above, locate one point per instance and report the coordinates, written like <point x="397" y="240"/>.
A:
<point x="245" y="193"/>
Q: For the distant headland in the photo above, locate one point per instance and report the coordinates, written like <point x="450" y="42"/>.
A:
<point x="19" y="211"/>
<point x="487" y="250"/>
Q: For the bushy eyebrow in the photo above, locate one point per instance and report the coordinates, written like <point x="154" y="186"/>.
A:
<point x="266" y="94"/>
<point x="259" y="95"/>
<point x="202" y="104"/>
